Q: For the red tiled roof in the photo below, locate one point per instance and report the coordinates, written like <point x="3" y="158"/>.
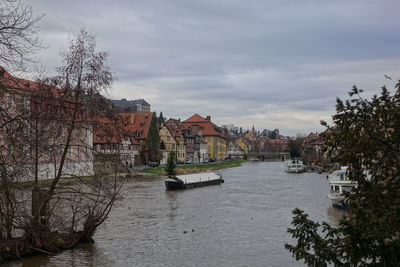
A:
<point x="8" y="80"/>
<point x="134" y="125"/>
<point x="278" y="141"/>
<point x="174" y="129"/>
<point x="205" y="126"/>
<point x="195" y="118"/>
<point x="138" y="124"/>
<point x="107" y="130"/>
<point x="313" y="139"/>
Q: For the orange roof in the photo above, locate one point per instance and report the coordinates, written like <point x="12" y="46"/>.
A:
<point x="205" y="126"/>
<point x="278" y="141"/>
<point x="174" y="130"/>
<point x="313" y="139"/>
<point x="196" y="118"/>
<point x="107" y="130"/>
<point x="138" y="124"/>
<point x="9" y="80"/>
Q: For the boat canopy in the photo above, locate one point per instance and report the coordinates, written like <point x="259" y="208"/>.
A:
<point x="198" y="177"/>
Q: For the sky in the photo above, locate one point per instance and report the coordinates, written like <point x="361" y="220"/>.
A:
<point x="268" y="63"/>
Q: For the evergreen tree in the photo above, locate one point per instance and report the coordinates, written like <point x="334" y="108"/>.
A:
<point x="170" y="168"/>
<point x="365" y="136"/>
<point x="153" y="140"/>
<point x="295" y="147"/>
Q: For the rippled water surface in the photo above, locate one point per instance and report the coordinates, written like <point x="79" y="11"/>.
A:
<point x="241" y="222"/>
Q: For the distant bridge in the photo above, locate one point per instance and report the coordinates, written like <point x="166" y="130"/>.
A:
<point x="270" y="155"/>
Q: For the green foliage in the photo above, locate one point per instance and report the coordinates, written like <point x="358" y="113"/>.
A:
<point x="153" y="140"/>
<point x="295" y="147"/>
<point x="192" y="168"/>
<point x="171" y="165"/>
<point x="366" y="137"/>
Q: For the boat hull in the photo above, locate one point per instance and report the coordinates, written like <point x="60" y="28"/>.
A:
<point x="176" y="185"/>
<point x="173" y="185"/>
<point x="337" y="201"/>
<point x="294" y="170"/>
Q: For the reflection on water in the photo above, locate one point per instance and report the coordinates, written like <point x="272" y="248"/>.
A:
<point x="242" y="222"/>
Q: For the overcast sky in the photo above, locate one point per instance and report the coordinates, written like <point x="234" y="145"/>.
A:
<point x="268" y="63"/>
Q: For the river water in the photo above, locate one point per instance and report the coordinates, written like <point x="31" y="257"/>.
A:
<point x="241" y="222"/>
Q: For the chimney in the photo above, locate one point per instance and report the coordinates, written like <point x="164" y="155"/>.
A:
<point x="132" y="118"/>
<point x="208" y="118"/>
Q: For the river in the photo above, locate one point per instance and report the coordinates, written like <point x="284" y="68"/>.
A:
<point x="241" y="222"/>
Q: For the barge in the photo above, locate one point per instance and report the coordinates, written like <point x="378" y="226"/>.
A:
<point x="193" y="180"/>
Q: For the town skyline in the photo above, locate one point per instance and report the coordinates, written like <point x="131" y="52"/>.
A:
<point x="268" y="63"/>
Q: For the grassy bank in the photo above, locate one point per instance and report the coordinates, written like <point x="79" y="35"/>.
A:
<point x="192" y="168"/>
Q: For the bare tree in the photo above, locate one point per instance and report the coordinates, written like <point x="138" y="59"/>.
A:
<point x="52" y="141"/>
<point x="18" y="40"/>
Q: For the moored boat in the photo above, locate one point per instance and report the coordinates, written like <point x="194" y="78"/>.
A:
<point x="294" y="166"/>
<point x="340" y="184"/>
<point x="193" y="180"/>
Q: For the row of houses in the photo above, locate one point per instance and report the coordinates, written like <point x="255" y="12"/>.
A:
<point x="193" y="140"/>
<point x="131" y="137"/>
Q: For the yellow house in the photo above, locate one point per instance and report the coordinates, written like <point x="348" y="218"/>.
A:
<point x="168" y="140"/>
<point x="213" y="135"/>
<point x="173" y="140"/>
<point x="242" y="145"/>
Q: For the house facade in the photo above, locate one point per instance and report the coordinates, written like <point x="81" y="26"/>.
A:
<point x="213" y="135"/>
<point x="242" y="145"/>
<point x="177" y="132"/>
<point x="113" y="144"/>
<point x="142" y="127"/>
<point x="234" y="151"/>
<point x="312" y="148"/>
<point x="34" y="128"/>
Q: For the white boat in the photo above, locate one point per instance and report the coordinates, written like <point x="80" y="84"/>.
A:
<point x="193" y="180"/>
<point x="340" y="184"/>
<point x="294" y="166"/>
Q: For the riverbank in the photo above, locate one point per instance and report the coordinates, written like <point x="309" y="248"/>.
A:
<point x="193" y="168"/>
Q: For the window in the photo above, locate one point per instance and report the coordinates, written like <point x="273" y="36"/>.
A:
<point x="347" y="189"/>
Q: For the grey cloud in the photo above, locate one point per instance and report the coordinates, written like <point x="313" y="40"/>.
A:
<point x="232" y="59"/>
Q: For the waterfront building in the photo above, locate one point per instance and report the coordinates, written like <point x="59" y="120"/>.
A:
<point x="36" y="139"/>
<point x="214" y="136"/>
<point x="113" y="144"/>
<point x="169" y="142"/>
<point x="142" y="127"/>
<point x="242" y="145"/>
<point x="277" y="145"/>
<point x="177" y="131"/>
<point x="234" y="151"/>
<point x="311" y="148"/>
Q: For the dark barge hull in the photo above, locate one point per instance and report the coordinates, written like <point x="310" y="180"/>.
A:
<point x="174" y="185"/>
